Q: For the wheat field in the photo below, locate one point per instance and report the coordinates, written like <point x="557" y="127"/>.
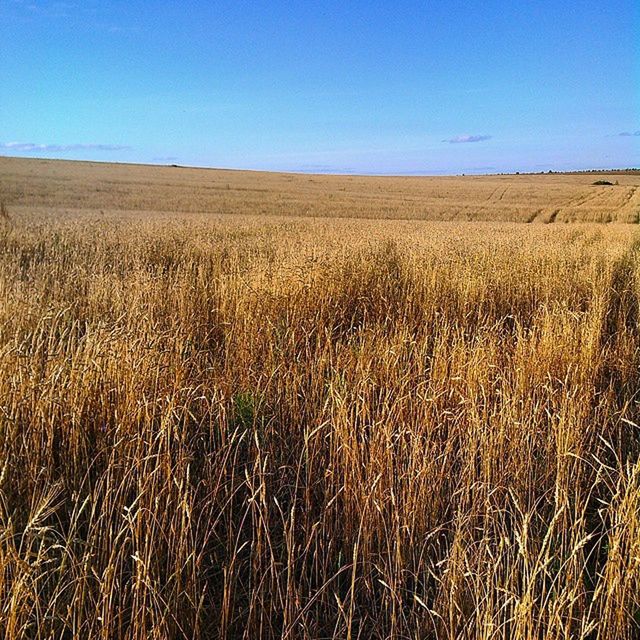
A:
<point x="54" y="185"/>
<point x="291" y="422"/>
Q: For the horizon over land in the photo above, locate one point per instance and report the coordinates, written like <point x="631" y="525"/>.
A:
<point x="593" y="170"/>
<point x="42" y="184"/>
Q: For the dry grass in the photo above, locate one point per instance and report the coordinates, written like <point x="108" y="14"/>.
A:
<point x="250" y="427"/>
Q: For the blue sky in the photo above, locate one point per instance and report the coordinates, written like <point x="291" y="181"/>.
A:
<point x="367" y="87"/>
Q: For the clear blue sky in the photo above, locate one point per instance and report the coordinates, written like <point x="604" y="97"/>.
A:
<point x="339" y="86"/>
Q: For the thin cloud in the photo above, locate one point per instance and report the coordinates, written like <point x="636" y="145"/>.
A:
<point x="323" y="168"/>
<point x="47" y="10"/>
<point x="84" y="12"/>
<point x="628" y="134"/>
<point x="463" y="139"/>
<point x="32" y="146"/>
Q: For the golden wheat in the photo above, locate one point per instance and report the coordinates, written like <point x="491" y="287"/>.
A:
<point x="278" y="427"/>
<point x="50" y="186"/>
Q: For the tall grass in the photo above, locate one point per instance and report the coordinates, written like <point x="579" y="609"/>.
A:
<point x="294" y="429"/>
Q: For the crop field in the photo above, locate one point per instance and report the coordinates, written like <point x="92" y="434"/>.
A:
<point x="52" y="185"/>
<point x="243" y="405"/>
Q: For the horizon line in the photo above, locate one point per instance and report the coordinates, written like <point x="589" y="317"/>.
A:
<point x="413" y="174"/>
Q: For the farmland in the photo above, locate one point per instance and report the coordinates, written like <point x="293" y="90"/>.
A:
<point x="55" y="185"/>
<point x="246" y="405"/>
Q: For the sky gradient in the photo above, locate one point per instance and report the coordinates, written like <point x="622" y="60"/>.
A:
<point x="343" y="87"/>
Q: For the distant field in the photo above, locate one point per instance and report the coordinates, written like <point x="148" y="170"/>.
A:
<point x="269" y="425"/>
<point x="527" y="198"/>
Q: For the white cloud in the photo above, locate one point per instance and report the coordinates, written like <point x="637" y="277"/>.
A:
<point x="461" y="139"/>
<point x="32" y="146"/>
